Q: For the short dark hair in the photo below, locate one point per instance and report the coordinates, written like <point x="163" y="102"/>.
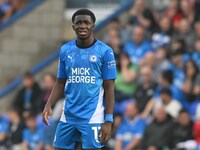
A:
<point x="167" y="75"/>
<point x="176" y="52"/>
<point x="166" y="91"/>
<point x="28" y="74"/>
<point x="183" y="111"/>
<point x="31" y="115"/>
<point x="84" y="12"/>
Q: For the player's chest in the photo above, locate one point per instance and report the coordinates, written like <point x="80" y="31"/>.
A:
<point x="83" y="59"/>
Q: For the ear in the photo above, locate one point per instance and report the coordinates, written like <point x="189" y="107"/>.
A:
<point x="73" y="27"/>
<point x="94" y="25"/>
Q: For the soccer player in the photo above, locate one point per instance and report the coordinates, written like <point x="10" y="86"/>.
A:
<point x="86" y="69"/>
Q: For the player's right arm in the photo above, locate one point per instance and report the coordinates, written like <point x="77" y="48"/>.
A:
<point x="55" y="94"/>
<point x="57" y="89"/>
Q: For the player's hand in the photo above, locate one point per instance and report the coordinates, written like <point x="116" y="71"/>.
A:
<point x="46" y="115"/>
<point x="105" y="132"/>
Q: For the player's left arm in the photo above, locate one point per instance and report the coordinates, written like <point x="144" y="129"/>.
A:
<point x="109" y="74"/>
<point x="105" y="133"/>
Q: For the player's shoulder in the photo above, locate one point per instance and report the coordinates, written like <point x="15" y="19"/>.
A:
<point x="103" y="47"/>
<point x="65" y="48"/>
<point x="67" y="45"/>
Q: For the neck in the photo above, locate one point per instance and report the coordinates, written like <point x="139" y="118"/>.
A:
<point x="132" y="118"/>
<point x="146" y="84"/>
<point x="167" y="101"/>
<point x="32" y="129"/>
<point x="85" y="42"/>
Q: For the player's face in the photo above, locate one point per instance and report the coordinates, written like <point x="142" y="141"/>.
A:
<point x="83" y="26"/>
<point x="31" y="123"/>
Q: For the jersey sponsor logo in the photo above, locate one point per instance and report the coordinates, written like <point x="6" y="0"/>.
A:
<point x="111" y="64"/>
<point x="93" y="58"/>
<point x="81" y="75"/>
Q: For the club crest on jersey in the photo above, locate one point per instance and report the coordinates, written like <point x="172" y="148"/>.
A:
<point x="93" y="58"/>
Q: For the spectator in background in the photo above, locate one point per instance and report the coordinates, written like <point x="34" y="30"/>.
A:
<point x="173" y="13"/>
<point x="195" y="55"/>
<point x="187" y="10"/>
<point x="114" y="24"/>
<point x="113" y="40"/>
<point x="186" y="33"/>
<point x="141" y="15"/>
<point x="138" y="47"/>
<point x="166" y="99"/>
<point x="157" y="61"/>
<point x="149" y="60"/>
<point x="162" y="62"/>
<point x="16" y="6"/>
<point x="171" y="106"/>
<point x="145" y="88"/>
<point x="49" y="80"/>
<point x="177" y="66"/>
<point x="158" y="6"/>
<point x="196" y="131"/>
<point x="182" y="129"/>
<point x="32" y="136"/>
<point x="131" y="130"/>
<point x="5" y="5"/>
<point x="197" y="10"/>
<point x="197" y="29"/>
<point x="125" y="84"/>
<point x="162" y="37"/>
<point x="191" y="73"/>
<point x="4" y="126"/>
<point x="178" y="44"/>
<point x="165" y="80"/>
<point x="126" y="32"/>
<point x="16" y="128"/>
<point x="158" y="134"/>
<point x="29" y="97"/>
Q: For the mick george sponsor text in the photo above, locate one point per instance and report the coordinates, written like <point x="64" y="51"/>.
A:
<point x="81" y="75"/>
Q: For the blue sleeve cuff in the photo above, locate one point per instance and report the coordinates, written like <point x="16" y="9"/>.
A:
<point x="109" y="118"/>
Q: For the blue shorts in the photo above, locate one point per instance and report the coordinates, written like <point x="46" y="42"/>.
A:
<point x="68" y="134"/>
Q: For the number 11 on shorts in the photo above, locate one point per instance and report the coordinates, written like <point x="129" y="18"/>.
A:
<point x="96" y="132"/>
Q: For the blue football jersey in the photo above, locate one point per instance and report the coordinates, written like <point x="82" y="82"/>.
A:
<point x="85" y="69"/>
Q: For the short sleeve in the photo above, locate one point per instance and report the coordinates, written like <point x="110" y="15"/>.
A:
<point x="41" y="135"/>
<point x="120" y="131"/>
<point x="140" y="129"/>
<point x="61" y="66"/>
<point x="25" y="135"/>
<point x="109" y="66"/>
<point x="3" y="128"/>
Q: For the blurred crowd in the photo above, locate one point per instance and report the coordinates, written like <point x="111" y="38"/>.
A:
<point x="10" y="7"/>
<point x="157" y="92"/>
<point x="21" y="127"/>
